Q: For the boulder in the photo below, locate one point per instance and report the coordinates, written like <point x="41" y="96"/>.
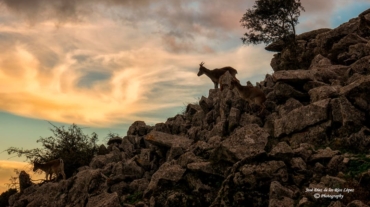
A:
<point x="102" y="150"/>
<point x="323" y="154"/>
<point x="115" y="140"/>
<point x="356" y="203"/>
<point x="316" y="135"/>
<point x="326" y="40"/>
<point x="281" y="151"/>
<point x="246" y="119"/>
<point x="301" y="118"/>
<point x="225" y="81"/>
<point x="297" y="163"/>
<point x="312" y="84"/>
<point x="101" y="160"/>
<point x="167" y="172"/>
<point x="177" y="124"/>
<point x="356" y="92"/>
<point x="104" y="200"/>
<point x="346" y="118"/>
<point x="345" y="42"/>
<point x="319" y="61"/>
<point x="204" y="167"/>
<point x="162" y="127"/>
<point x="284" y="91"/>
<point x="359" y="141"/>
<point x="234" y="118"/>
<point x="219" y="129"/>
<point x="248" y="177"/>
<point x="323" y="92"/>
<point x="138" y="128"/>
<point x="304" y="151"/>
<point x="336" y="204"/>
<point x="280" y="195"/>
<point x="312" y="34"/>
<point x="24" y="181"/>
<point x="244" y="142"/>
<point x="276" y="46"/>
<point x="289" y="105"/>
<point x="296" y="76"/>
<point x="335" y="165"/>
<point x="362" y="65"/>
<point x="203" y="103"/>
<point x="161" y="139"/>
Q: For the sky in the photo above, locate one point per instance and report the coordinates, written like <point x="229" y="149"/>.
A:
<point x="105" y="64"/>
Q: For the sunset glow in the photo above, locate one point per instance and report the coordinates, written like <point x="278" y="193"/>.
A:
<point x="106" y="64"/>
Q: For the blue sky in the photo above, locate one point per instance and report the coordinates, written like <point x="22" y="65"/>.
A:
<point x="105" y="64"/>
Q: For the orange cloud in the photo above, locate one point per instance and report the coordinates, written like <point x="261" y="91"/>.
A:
<point x="100" y="73"/>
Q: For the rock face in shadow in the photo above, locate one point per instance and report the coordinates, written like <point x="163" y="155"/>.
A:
<point x="314" y="133"/>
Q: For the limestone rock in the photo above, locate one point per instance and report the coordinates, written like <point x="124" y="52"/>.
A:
<point x="324" y="154"/>
<point x="104" y="200"/>
<point x="280" y="195"/>
<point x="346" y="118"/>
<point x="138" y="128"/>
<point x="285" y="91"/>
<point x="319" y="61"/>
<point x="281" y="151"/>
<point x="312" y="34"/>
<point x="323" y="92"/>
<point x="294" y="76"/>
<point x="359" y="141"/>
<point x="234" y="148"/>
<point x="167" y="171"/>
<point x="161" y="139"/>
<point x="298" y="164"/>
<point x="301" y="118"/>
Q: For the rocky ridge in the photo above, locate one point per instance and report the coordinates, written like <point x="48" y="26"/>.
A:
<point x="314" y="134"/>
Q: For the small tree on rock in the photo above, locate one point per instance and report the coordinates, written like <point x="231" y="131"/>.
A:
<point x="271" y="20"/>
<point x="72" y="145"/>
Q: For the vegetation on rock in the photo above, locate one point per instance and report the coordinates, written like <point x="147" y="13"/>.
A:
<point x="72" y="145"/>
<point x="271" y="20"/>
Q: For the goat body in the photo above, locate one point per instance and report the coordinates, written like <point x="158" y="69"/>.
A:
<point x="53" y="166"/>
<point x="215" y="74"/>
<point x="250" y="93"/>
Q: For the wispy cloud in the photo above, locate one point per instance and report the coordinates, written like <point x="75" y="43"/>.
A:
<point x="101" y="63"/>
<point x="47" y="72"/>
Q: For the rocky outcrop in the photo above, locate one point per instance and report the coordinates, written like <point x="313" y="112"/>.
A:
<point x="343" y="45"/>
<point x="314" y="133"/>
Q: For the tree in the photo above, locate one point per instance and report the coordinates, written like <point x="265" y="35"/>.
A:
<point x="72" y="145"/>
<point x="271" y="20"/>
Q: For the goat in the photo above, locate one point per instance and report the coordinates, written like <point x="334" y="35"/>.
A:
<point x="53" y="166"/>
<point x="215" y="74"/>
<point x="249" y="93"/>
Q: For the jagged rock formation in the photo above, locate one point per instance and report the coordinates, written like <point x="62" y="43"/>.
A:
<point x="314" y="133"/>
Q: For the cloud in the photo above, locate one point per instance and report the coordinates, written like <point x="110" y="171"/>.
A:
<point x="319" y="14"/>
<point x="108" y="61"/>
<point x="100" y="73"/>
<point x="136" y="80"/>
<point x="65" y="10"/>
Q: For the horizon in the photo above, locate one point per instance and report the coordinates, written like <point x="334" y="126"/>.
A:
<point x="106" y="65"/>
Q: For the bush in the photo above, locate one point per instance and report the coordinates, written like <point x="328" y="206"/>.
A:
<point x="72" y="145"/>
